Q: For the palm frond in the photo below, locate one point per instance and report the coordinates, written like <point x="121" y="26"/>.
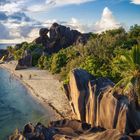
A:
<point x="123" y="81"/>
<point x="135" y="53"/>
<point x="128" y="60"/>
<point x="129" y="65"/>
<point x="128" y="86"/>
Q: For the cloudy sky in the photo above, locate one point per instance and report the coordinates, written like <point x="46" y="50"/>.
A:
<point x="20" y="20"/>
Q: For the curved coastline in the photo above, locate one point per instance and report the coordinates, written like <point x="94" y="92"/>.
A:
<point x="17" y="107"/>
<point x="29" y="89"/>
<point x="58" y="106"/>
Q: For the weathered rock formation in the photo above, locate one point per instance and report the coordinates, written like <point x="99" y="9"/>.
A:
<point x="60" y="37"/>
<point x="102" y="113"/>
<point x="3" y="53"/>
<point x="95" y="102"/>
<point x="25" y="61"/>
<point x="68" y="130"/>
<point x="43" y="38"/>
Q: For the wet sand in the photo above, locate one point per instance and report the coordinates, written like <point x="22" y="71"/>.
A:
<point x="44" y="87"/>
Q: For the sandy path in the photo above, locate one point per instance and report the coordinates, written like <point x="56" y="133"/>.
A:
<point x="44" y="87"/>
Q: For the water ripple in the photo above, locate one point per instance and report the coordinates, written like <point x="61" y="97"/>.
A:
<point x="16" y="106"/>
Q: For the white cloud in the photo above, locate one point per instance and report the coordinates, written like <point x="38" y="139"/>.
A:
<point x="55" y="3"/>
<point x="12" y="7"/>
<point x="38" y="8"/>
<point x="27" y="30"/>
<point x="135" y="2"/>
<point x="106" y="22"/>
<point x="34" y="33"/>
<point x="49" y="22"/>
<point x="21" y="30"/>
<point x="17" y="26"/>
<point x="76" y="25"/>
<point x="66" y="2"/>
<point x="18" y="31"/>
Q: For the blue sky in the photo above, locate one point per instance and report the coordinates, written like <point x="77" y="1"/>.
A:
<point x="20" y="20"/>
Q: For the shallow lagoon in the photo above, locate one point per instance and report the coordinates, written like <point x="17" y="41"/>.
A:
<point x="17" y="107"/>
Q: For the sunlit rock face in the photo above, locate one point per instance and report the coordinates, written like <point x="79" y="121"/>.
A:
<point x="94" y="102"/>
<point x="101" y="113"/>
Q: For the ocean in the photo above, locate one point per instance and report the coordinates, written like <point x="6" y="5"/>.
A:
<point x="4" y="46"/>
<point x="17" y="107"/>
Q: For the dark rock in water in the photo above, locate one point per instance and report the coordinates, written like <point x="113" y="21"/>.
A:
<point x="95" y="102"/>
<point x="28" y="128"/>
<point x="69" y="130"/>
<point x="25" y="61"/>
<point x="60" y="37"/>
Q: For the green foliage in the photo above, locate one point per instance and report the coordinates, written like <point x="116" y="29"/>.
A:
<point x="10" y="49"/>
<point x="89" y="64"/>
<point x="44" y="62"/>
<point x="41" y="62"/>
<point x="58" y="61"/>
<point x="47" y="62"/>
<point x="32" y="47"/>
<point x="35" y="58"/>
<point x="129" y="66"/>
<point x="19" y="51"/>
<point x="134" y="31"/>
<point x="18" y="54"/>
<point x="99" y="56"/>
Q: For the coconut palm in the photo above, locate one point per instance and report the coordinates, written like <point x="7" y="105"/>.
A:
<point x="129" y="64"/>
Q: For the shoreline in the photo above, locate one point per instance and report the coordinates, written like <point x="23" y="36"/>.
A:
<point x="58" y="105"/>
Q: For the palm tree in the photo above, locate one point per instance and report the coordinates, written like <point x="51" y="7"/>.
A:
<point x="129" y="64"/>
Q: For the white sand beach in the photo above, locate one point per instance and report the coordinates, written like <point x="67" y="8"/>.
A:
<point x="44" y="87"/>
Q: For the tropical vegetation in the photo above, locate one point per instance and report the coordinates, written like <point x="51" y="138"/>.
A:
<point x="129" y="65"/>
<point x="99" y="56"/>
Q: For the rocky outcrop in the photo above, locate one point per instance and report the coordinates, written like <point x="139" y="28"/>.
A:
<point x="94" y="101"/>
<point x="60" y="37"/>
<point x="68" y="130"/>
<point x="17" y="135"/>
<point x="3" y="53"/>
<point x="102" y="113"/>
<point x="78" y="89"/>
<point x="25" y="61"/>
<point x="43" y="38"/>
<point x="83" y="38"/>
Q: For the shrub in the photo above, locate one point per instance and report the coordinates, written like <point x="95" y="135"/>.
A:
<point x="58" y="61"/>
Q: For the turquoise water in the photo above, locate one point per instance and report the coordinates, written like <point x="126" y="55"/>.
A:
<point x="16" y="106"/>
